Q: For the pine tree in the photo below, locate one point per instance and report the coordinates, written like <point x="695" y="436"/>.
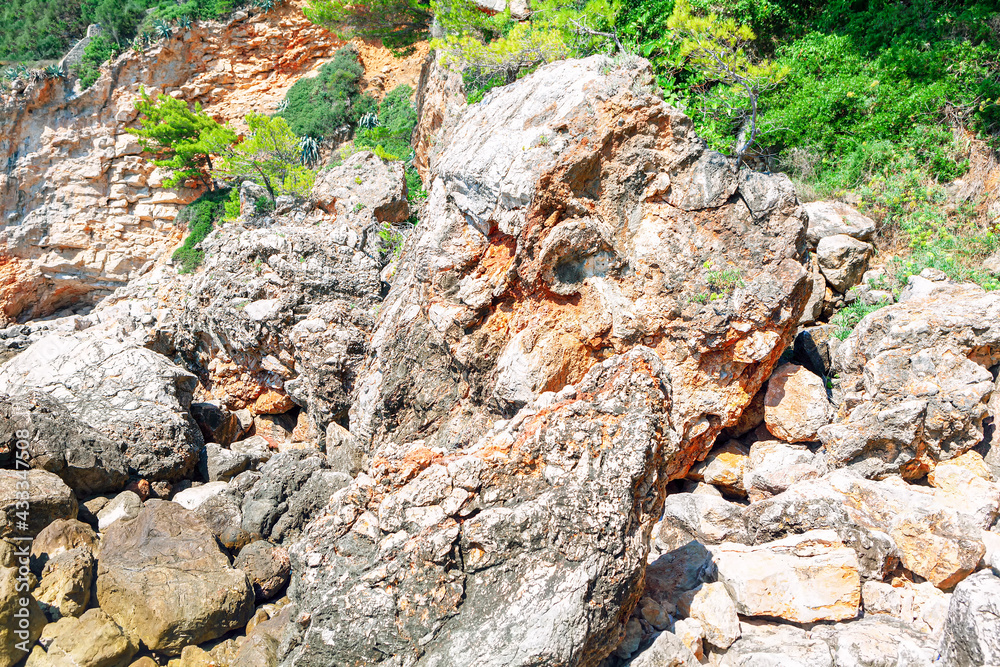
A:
<point x="721" y="50"/>
<point x="183" y="140"/>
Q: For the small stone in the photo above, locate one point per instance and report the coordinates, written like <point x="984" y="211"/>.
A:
<point x="723" y="467"/>
<point x="125" y="505"/>
<point x="630" y="642"/>
<point x="796" y="405"/>
<point x="711" y="604"/>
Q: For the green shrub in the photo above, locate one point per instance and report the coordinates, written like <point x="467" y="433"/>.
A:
<point x="100" y="49"/>
<point x="319" y="106"/>
<point x="415" y="192"/>
<point x="397" y="117"/>
<point x="270" y="156"/>
<point x="200" y="217"/>
<point x="232" y="204"/>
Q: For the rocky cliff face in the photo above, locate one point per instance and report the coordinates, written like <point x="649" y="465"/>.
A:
<point x="82" y="211"/>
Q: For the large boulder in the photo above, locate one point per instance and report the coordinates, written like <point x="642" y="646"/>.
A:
<point x="556" y="504"/>
<point x="829" y="218"/>
<point x="279" y="318"/>
<point x="552" y="207"/>
<point x="843" y="260"/>
<point x="93" y="640"/>
<point x="972" y="630"/>
<point x="511" y="342"/>
<point x="801" y="578"/>
<point x="881" y="521"/>
<point x="164" y="580"/>
<point x="21" y="619"/>
<point x="796" y="405"/>
<point x="915" y="382"/>
<point x="48" y="498"/>
<point x="83" y="457"/>
<point x="131" y="394"/>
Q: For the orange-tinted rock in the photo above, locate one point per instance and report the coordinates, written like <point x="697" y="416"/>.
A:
<point x="272" y="402"/>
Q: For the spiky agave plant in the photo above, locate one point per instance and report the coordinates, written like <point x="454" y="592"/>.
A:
<point x="368" y="121"/>
<point x="184" y="22"/>
<point x="54" y="72"/>
<point x="265" y="5"/>
<point x="163" y="29"/>
<point x="309" y="150"/>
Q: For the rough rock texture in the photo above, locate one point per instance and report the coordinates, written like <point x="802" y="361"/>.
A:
<point x="163" y="578"/>
<point x="552" y="205"/>
<point x="88" y="461"/>
<point x="667" y="650"/>
<point x="83" y="211"/>
<point x="801" y="578"/>
<point x="972" y="630"/>
<point x="64" y="589"/>
<point x="765" y="645"/>
<point x="921" y="607"/>
<point x="828" y="218"/>
<point x="555" y="505"/>
<point x="364" y="192"/>
<point x="724" y="467"/>
<point x="796" y="405"/>
<point x="11" y="612"/>
<point x="93" y="640"/>
<point x="709" y="519"/>
<point x="266" y="565"/>
<point x="711" y="605"/>
<point x="48" y="499"/>
<point x="131" y="394"/>
<point x="843" y="260"/>
<point x="882" y="521"/>
<point x="773" y="466"/>
<point x="279" y="317"/>
<point x="914" y="379"/>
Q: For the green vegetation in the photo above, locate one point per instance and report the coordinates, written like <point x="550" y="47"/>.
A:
<point x="268" y="156"/>
<point x="318" y="107"/>
<point x="496" y="50"/>
<point x="389" y="137"/>
<point x="719" y="50"/>
<point x="232" y="205"/>
<point x="200" y="217"/>
<point x="98" y="51"/>
<point x="847" y="318"/>
<point x="183" y="139"/>
<point x="398" y="23"/>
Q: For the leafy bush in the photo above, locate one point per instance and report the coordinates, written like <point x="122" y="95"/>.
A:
<point x="100" y="49"/>
<point x="321" y="105"/>
<point x="496" y="50"/>
<point x="415" y="192"/>
<point x="232" y="204"/>
<point x="268" y="156"/>
<point x="200" y="217"/>
<point x="398" y="23"/>
<point x="397" y="117"/>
